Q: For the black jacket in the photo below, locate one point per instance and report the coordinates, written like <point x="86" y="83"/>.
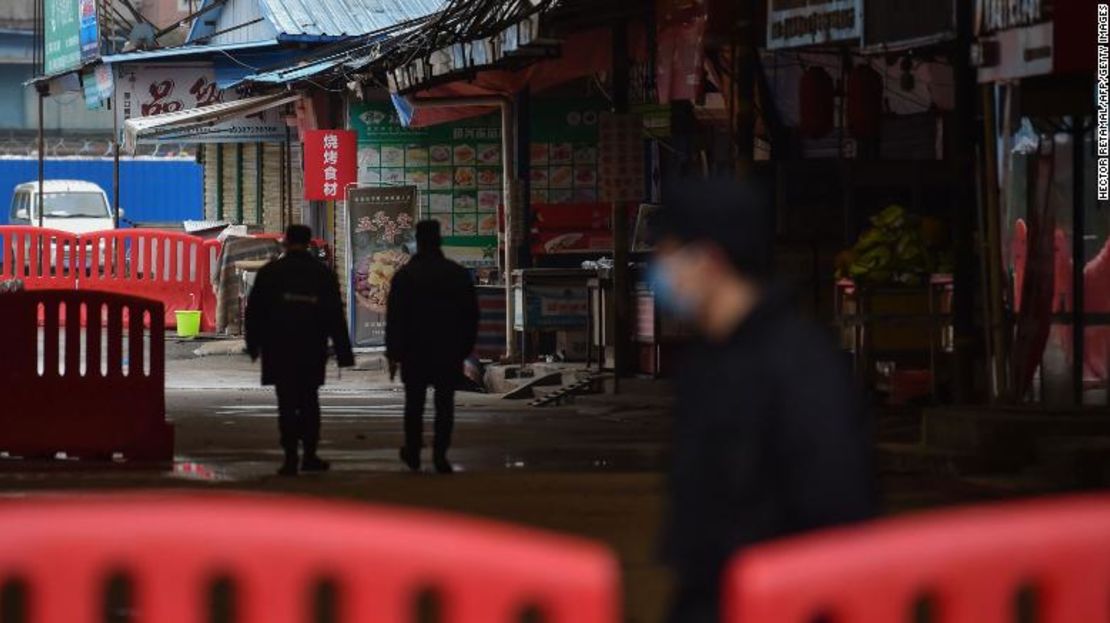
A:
<point x="294" y="307"/>
<point x="770" y="440"/>
<point x="431" y="318"/>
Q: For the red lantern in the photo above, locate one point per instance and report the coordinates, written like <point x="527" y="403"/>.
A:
<point x="864" y="109"/>
<point x="815" y="107"/>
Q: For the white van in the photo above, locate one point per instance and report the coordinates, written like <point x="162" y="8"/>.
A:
<point x="72" y="206"/>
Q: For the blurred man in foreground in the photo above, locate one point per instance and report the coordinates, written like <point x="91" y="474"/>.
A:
<point x="431" y="327"/>
<point x="294" y="307"/>
<point x="769" y="439"/>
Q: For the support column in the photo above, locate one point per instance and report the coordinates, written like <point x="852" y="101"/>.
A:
<point x="963" y="211"/>
<point x="619" y="216"/>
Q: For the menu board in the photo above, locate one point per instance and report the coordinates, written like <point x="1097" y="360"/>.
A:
<point x="455" y="167"/>
<point x="564" y="151"/>
<point x="622" y="158"/>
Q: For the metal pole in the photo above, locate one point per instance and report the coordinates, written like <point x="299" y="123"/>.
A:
<point x="259" y="165"/>
<point x="1079" y="260"/>
<point x="992" y="303"/>
<point x="219" y="181"/>
<point x="239" y="184"/>
<point x="281" y="191"/>
<point x="288" y="219"/>
<point x="40" y="70"/>
<point x="962" y="211"/>
<point x="42" y="154"/>
<point x="619" y="217"/>
<point x="115" y="163"/>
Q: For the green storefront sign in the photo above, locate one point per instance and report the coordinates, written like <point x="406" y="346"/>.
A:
<point x="456" y="167"/>
<point x="63" y="36"/>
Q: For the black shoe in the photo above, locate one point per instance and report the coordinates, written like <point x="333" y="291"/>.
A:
<point x="314" y="464"/>
<point x="443" y="466"/>
<point x="411" y="458"/>
<point x="288" y="468"/>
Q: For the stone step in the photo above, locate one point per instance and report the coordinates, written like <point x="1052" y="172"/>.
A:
<point x="921" y="459"/>
<point x="1006" y="439"/>
<point x="1075" y="461"/>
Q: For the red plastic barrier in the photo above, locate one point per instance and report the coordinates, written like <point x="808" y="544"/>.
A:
<point x="40" y="258"/>
<point x="170" y="267"/>
<point x="277" y="551"/>
<point x="970" y="563"/>
<point x="87" y="391"/>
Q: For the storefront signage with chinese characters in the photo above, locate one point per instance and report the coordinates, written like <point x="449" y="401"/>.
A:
<point x="796" y="23"/>
<point x="456" y="168"/>
<point x="145" y="90"/>
<point x="906" y="24"/>
<point x="63" y="34"/>
<point x="622" y="157"/>
<point x="330" y="164"/>
<point x="995" y="15"/>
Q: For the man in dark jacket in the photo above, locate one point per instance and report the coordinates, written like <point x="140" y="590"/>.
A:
<point x="769" y="439"/>
<point x="431" y="327"/>
<point x="294" y="308"/>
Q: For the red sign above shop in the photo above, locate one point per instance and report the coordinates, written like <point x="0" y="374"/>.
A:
<point x="330" y="164"/>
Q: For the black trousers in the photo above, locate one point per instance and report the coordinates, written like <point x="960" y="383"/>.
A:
<point x="298" y="417"/>
<point x="416" y="393"/>
<point x="697" y="598"/>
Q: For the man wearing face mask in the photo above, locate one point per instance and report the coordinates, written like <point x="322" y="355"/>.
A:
<point x="769" y="437"/>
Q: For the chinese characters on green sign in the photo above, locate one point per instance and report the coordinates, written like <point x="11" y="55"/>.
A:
<point x="71" y="35"/>
<point x="455" y="167"/>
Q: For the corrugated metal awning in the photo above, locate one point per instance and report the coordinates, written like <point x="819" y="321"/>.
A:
<point x="140" y="56"/>
<point x="134" y="129"/>
<point x="339" y="18"/>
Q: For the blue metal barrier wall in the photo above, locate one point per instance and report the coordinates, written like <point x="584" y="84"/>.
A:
<point x="152" y="190"/>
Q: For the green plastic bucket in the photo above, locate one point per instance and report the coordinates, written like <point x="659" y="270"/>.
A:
<point x="188" y="323"/>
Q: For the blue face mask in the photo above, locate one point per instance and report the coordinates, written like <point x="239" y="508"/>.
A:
<point x="662" y="285"/>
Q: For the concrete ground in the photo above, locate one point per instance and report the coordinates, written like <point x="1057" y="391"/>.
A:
<point x="593" y="468"/>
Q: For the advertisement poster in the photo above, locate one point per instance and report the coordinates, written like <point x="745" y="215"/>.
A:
<point x="792" y="24"/>
<point x="330" y="164"/>
<point x="98" y="86"/>
<point x="89" y="36"/>
<point x="62" y="36"/>
<point x="381" y="221"/>
<point x="145" y="90"/>
<point x="456" y="169"/>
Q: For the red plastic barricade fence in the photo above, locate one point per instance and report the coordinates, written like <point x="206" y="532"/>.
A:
<point x="968" y="564"/>
<point x="170" y="267"/>
<point x="173" y="268"/>
<point x="277" y="553"/>
<point x="89" y="391"/>
<point x="40" y="258"/>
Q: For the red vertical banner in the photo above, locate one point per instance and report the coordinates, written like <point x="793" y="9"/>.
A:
<point x="680" y="49"/>
<point x="330" y="164"/>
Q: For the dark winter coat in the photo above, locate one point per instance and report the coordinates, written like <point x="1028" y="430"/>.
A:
<point x="293" y="309"/>
<point x="770" y="440"/>
<point x="431" y="318"/>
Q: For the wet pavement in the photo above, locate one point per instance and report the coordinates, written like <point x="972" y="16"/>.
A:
<point x="593" y="468"/>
